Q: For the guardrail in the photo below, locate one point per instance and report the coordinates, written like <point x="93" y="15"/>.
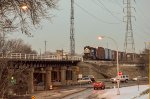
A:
<point x="42" y="57"/>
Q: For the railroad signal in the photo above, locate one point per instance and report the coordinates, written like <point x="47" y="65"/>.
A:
<point x="13" y="80"/>
<point x="119" y="73"/>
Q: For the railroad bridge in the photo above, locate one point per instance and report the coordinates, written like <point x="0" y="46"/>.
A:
<point x="47" y="70"/>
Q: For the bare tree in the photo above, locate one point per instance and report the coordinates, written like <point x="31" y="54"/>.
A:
<point x="4" y="77"/>
<point x="14" y="45"/>
<point x="18" y="46"/>
<point x="24" y="14"/>
<point x="19" y="15"/>
<point x="12" y="79"/>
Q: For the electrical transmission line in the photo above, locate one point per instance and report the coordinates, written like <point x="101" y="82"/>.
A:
<point x="95" y="17"/>
<point x="129" y="40"/>
<point x="100" y="2"/>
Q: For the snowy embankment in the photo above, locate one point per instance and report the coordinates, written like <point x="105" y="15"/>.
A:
<point x="132" y="92"/>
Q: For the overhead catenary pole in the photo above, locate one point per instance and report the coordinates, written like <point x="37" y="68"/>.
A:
<point x="72" y="39"/>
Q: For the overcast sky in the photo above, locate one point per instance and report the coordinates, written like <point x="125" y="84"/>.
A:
<point x="92" y="19"/>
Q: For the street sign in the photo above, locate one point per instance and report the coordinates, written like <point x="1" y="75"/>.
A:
<point x="119" y="73"/>
<point x="80" y="76"/>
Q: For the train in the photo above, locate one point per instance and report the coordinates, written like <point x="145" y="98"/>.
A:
<point x="106" y="54"/>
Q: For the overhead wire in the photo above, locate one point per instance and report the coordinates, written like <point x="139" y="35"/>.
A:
<point x="108" y="10"/>
<point x="138" y="26"/>
<point x="116" y="2"/>
<point x="141" y="29"/>
<point x="93" y="1"/>
<point x="94" y="15"/>
<point x="143" y="16"/>
<point x="96" y="3"/>
<point x="133" y="23"/>
<point x="137" y="33"/>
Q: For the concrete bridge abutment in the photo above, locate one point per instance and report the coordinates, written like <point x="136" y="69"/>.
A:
<point x="48" y="78"/>
<point x="30" y="80"/>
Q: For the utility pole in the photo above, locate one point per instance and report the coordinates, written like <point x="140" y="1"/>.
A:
<point x="72" y="39"/>
<point x="149" y="65"/>
<point x="62" y="53"/>
<point x="129" y="45"/>
<point x="40" y="51"/>
<point x="45" y="45"/>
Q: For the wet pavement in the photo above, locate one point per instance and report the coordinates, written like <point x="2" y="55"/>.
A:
<point x="61" y="93"/>
<point x="57" y="93"/>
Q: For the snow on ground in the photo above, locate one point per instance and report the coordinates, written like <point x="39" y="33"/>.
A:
<point x="125" y="93"/>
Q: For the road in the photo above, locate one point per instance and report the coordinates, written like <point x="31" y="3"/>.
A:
<point x="90" y="93"/>
<point x="82" y="95"/>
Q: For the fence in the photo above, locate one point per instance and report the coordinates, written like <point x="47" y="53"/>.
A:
<point x="36" y="56"/>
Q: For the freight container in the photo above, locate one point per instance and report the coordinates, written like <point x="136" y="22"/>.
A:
<point x="124" y="56"/>
<point x="106" y="54"/>
<point x="121" y="56"/>
<point x="114" y="55"/>
<point x="129" y="56"/>
<point x="100" y="53"/>
<point x="137" y="56"/>
<point x="109" y="54"/>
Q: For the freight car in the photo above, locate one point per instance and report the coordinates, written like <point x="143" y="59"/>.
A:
<point x="100" y="53"/>
<point x="114" y="55"/>
<point x="108" y="54"/>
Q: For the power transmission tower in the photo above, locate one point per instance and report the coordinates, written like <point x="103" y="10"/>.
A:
<point x="72" y="40"/>
<point x="129" y="40"/>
